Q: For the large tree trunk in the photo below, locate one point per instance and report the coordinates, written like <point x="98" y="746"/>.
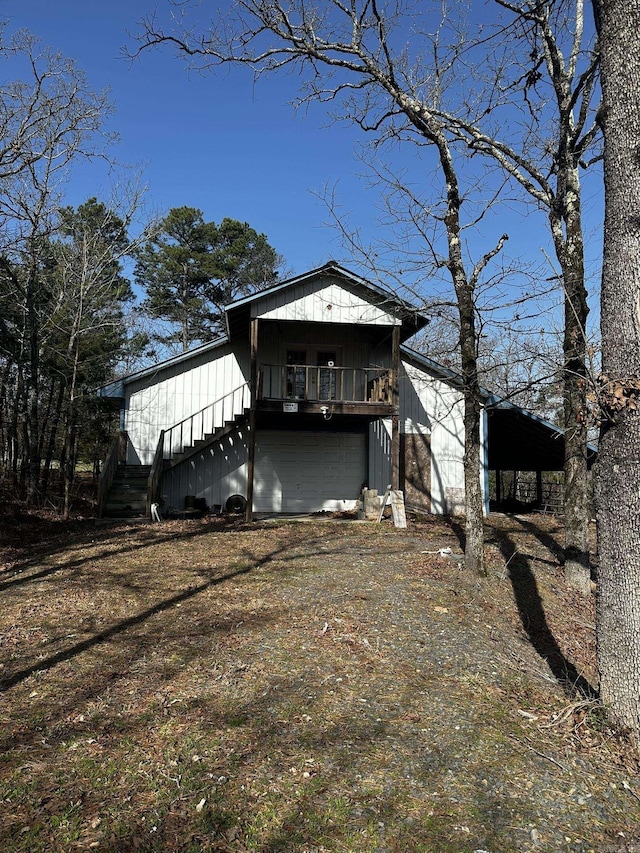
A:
<point x="474" y="504"/>
<point x="49" y="450"/>
<point x="618" y="469"/>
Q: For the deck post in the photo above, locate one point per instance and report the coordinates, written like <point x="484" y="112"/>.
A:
<point x="252" y="418"/>
<point x="395" y="418"/>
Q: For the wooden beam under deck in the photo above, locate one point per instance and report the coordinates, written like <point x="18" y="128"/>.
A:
<point x="335" y="407"/>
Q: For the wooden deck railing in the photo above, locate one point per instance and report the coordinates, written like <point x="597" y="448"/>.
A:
<point x="322" y="383"/>
<point x="117" y="453"/>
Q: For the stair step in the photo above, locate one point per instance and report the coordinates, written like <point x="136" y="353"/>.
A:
<point x="136" y="503"/>
<point x="123" y="512"/>
<point x="126" y="495"/>
<point x="132" y="483"/>
<point x="127" y="472"/>
<point x="206" y="440"/>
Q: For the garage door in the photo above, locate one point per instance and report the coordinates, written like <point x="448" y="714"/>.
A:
<point x="308" y="471"/>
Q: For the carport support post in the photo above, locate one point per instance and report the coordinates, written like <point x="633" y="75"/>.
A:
<point x="395" y="418"/>
<point x="539" y="488"/>
<point x="252" y="418"/>
<point x="498" y="486"/>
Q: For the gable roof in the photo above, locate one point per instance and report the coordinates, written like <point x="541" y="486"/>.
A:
<point x="238" y="313"/>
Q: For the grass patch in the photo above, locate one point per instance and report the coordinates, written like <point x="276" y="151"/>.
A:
<point x="200" y="686"/>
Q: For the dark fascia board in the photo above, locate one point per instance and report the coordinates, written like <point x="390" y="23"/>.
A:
<point x="397" y="305"/>
<point x="491" y="401"/>
<point x="116" y="388"/>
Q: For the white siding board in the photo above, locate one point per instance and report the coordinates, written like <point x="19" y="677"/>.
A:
<point x="214" y="474"/>
<point x="447" y="450"/>
<point x="165" y="398"/>
<point x="428" y="404"/>
<point x="379" y="474"/>
<point x="322" y="301"/>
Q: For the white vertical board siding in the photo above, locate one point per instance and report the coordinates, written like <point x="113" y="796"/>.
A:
<point x="417" y="392"/>
<point x="428" y="404"/>
<point x="379" y="476"/>
<point x="214" y="474"/>
<point x="353" y="345"/>
<point x="322" y="300"/>
<point x="160" y="400"/>
<point x="447" y="453"/>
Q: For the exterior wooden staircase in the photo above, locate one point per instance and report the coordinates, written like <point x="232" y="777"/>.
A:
<point x="207" y="439"/>
<point x="127" y="497"/>
<point x="127" y="491"/>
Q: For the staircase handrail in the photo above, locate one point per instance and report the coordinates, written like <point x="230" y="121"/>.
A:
<point x="116" y="453"/>
<point x="196" y="426"/>
<point x="155" y="474"/>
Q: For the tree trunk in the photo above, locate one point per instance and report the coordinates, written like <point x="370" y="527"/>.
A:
<point x="577" y="509"/>
<point x="32" y="422"/>
<point x="618" y="468"/>
<point x="474" y="504"/>
<point x="51" y="441"/>
<point x="70" y="461"/>
<point x="464" y="288"/>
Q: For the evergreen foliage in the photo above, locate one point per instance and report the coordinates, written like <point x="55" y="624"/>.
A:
<point x="191" y="269"/>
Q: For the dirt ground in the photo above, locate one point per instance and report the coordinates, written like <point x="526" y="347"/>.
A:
<point x="301" y="686"/>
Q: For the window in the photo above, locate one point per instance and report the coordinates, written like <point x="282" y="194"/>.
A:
<point x="296" y="374"/>
<point x="326" y="361"/>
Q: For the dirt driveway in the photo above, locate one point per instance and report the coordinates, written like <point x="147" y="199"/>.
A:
<point x="324" y="686"/>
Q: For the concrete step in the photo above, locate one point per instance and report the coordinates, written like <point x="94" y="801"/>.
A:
<point x="127" y="496"/>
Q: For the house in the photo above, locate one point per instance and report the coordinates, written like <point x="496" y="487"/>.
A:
<point x="310" y="395"/>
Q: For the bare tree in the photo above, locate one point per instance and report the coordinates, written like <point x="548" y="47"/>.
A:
<point x="535" y="118"/>
<point x="347" y="55"/>
<point x="47" y="120"/>
<point x="618" y="469"/>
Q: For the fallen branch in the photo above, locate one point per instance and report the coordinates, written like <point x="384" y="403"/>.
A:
<point x="537" y="752"/>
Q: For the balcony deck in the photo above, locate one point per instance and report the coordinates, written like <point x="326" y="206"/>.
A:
<point x="312" y="389"/>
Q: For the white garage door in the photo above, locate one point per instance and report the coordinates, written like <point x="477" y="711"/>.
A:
<point x="308" y="471"/>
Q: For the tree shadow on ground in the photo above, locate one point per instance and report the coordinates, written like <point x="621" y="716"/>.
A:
<point x="531" y="609"/>
<point x="145" y="537"/>
<point x="124" y="625"/>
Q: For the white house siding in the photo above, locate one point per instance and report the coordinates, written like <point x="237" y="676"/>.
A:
<point x="422" y="393"/>
<point x="214" y="474"/>
<point x="354" y="347"/>
<point x="379" y="475"/>
<point x="428" y="406"/>
<point x="322" y="300"/>
<point x="162" y="399"/>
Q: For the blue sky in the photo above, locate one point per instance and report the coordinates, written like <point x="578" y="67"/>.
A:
<point x="230" y="148"/>
<point x="219" y="144"/>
